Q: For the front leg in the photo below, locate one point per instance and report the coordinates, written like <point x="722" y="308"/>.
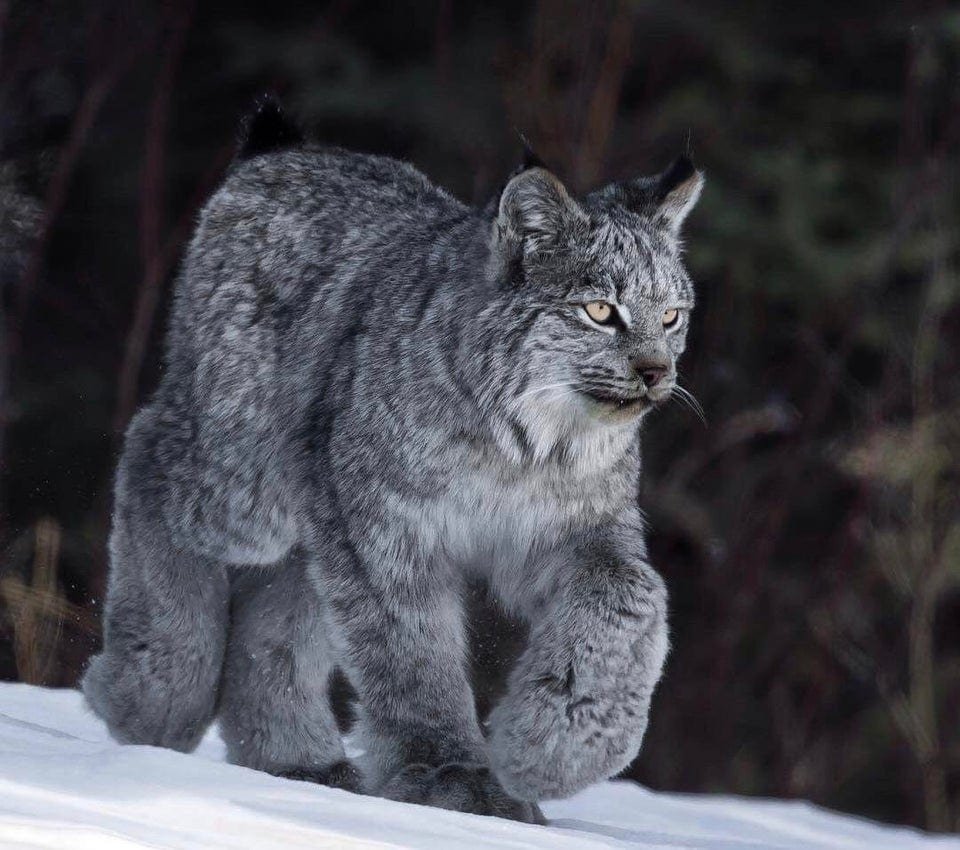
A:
<point x="576" y="707"/>
<point x="399" y="625"/>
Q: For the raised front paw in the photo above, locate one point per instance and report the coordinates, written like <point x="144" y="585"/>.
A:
<point x="461" y="787"/>
<point x="564" y="726"/>
<point x="576" y="707"/>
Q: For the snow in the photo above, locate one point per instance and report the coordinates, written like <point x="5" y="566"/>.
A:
<point x="65" y="784"/>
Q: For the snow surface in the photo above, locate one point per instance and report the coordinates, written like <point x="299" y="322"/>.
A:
<point x="65" y="784"/>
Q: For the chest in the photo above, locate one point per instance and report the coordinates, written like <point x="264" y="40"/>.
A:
<point x="489" y="515"/>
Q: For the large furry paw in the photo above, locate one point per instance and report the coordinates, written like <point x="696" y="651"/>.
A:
<point x="139" y="708"/>
<point x="564" y="726"/>
<point x="576" y="707"/>
<point x="342" y="775"/>
<point x="461" y="787"/>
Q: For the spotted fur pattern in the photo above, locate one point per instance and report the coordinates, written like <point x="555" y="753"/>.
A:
<point x="372" y="395"/>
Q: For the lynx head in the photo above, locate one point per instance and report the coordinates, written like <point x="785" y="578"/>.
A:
<point x="598" y="296"/>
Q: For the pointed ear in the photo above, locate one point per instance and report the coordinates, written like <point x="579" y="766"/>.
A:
<point x="537" y="210"/>
<point x="666" y="198"/>
<point x="677" y="191"/>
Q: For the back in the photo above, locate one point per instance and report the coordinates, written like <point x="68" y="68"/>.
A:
<point x="288" y="228"/>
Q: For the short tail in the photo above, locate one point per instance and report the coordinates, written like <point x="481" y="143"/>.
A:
<point x="268" y="129"/>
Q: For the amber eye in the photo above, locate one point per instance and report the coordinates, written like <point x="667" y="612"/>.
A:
<point x="670" y="318"/>
<point x="599" y="311"/>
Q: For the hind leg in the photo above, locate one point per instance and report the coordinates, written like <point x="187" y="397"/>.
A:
<point x="155" y="681"/>
<point x="275" y="711"/>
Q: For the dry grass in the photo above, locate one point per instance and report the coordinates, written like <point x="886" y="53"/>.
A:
<point x="36" y="612"/>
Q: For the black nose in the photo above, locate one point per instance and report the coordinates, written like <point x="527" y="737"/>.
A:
<point x="652" y="372"/>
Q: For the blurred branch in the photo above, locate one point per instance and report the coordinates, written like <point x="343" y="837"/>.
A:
<point x="929" y="570"/>
<point x="829" y="384"/>
<point x="914" y="553"/>
<point x="150" y="290"/>
<point x="602" y="111"/>
<point x="746" y="425"/>
<point x="156" y="259"/>
<point x="83" y="121"/>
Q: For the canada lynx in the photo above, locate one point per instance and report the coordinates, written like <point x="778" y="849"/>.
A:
<point x="372" y="395"/>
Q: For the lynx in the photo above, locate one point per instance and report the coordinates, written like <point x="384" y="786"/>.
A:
<point x="374" y="394"/>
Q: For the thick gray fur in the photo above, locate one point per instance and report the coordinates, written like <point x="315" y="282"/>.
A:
<point x="374" y="394"/>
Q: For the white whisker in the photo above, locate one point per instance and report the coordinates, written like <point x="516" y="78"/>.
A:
<point x="689" y="400"/>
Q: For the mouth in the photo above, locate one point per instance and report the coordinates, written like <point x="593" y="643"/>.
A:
<point x="618" y="402"/>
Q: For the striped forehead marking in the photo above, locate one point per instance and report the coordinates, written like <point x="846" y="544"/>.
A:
<point x="625" y="257"/>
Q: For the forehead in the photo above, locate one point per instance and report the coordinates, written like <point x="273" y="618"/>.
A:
<point x="625" y="253"/>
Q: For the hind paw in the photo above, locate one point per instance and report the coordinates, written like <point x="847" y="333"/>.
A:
<point x="461" y="787"/>
<point x="341" y="774"/>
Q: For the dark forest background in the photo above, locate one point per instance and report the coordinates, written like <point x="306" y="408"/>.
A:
<point x="809" y="533"/>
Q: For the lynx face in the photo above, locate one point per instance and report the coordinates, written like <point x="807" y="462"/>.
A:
<point x="606" y="294"/>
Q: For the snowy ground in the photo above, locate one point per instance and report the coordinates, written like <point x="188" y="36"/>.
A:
<point x="65" y="784"/>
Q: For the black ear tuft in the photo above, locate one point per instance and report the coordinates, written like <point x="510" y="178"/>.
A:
<point x="668" y="197"/>
<point x="530" y="157"/>
<point x="530" y="160"/>
<point x="678" y="172"/>
<point x="266" y="129"/>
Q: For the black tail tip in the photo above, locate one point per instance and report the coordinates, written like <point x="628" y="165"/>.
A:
<point x="267" y="129"/>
